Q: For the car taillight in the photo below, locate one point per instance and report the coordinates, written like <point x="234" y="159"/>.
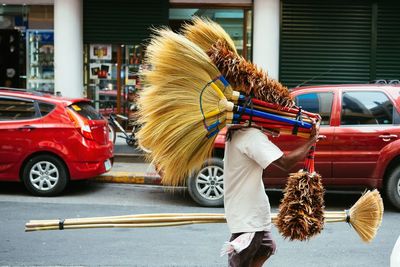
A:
<point x="81" y="124"/>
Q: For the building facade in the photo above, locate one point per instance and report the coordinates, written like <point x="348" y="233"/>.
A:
<point x="94" y="48"/>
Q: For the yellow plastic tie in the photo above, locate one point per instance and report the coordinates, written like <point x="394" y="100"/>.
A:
<point x="217" y="90"/>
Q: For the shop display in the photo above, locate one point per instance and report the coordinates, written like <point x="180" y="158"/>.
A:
<point x="40" y="60"/>
<point x="100" y="52"/>
<point x="9" y="58"/>
<point x="101" y="67"/>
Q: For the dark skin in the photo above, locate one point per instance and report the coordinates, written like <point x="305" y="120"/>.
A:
<point x="286" y="162"/>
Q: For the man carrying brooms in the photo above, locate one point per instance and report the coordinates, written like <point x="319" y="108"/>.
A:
<point x="248" y="152"/>
<point x="185" y="102"/>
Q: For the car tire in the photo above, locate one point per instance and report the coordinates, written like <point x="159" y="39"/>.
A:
<point x="206" y="187"/>
<point x="393" y="188"/>
<point x="45" y="175"/>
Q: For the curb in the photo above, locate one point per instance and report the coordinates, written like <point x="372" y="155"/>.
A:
<point x="129" y="178"/>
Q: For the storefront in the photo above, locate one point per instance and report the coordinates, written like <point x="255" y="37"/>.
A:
<point x="115" y="35"/>
<point x="27" y="46"/>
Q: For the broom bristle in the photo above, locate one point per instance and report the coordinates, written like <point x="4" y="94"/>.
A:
<point x="247" y="77"/>
<point x="173" y="128"/>
<point x="205" y="33"/>
<point x="242" y="75"/>
<point x="366" y="215"/>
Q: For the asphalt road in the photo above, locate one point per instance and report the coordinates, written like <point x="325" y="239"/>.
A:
<point x="192" y="245"/>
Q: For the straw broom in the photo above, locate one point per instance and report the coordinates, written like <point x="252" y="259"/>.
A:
<point x="173" y="127"/>
<point x="241" y="74"/>
<point x="266" y="93"/>
<point x="183" y="106"/>
<point x="176" y="138"/>
<point x="301" y="209"/>
<point x="365" y="216"/>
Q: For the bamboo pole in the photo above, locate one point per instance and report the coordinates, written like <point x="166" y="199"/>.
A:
<point x="150" y="220"/>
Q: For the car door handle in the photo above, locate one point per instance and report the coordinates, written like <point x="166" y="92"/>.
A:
<point x="26" y="128"/>
<point x="321" y="137"/>
<point x="387" y="137"/>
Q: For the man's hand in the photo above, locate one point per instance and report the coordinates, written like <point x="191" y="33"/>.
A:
<point x="288" y="160"/>
<point x="315" y="129"/>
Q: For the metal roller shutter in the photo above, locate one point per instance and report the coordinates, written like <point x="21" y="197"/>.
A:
<point x="325" y="42"/>
<point x="122" y="21"/>
<point x="388" y="41"/>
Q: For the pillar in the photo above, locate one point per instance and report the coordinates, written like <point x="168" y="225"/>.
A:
<point x="68" y="47"/>
<point x="266" y="36"/>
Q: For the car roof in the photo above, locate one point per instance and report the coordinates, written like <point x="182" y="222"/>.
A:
<point x="21" y="93"/>
<point x="392" y="89"/>
<point x="346" y="86"/>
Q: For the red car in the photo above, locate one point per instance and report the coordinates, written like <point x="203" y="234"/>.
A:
<point x="360" y="146"/>
<point x="46" y="141"/>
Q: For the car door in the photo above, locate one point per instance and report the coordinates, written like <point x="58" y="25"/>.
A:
<point x="320" y="102"/>
<point x="366" y="126"/>
<point x="18" y="121"/>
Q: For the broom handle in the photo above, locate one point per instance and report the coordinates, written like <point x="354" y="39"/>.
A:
<point x="278" y="107"/>
<point x="163" y="221"/>
<point x="283" y="113"/>
<point x="151" y="219"/>
<point x="270" y="116"/>
<point x="273" y="123"/>
<point x="277" y="129"/>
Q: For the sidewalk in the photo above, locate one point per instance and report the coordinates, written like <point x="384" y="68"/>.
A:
<point x="129" y="167"/>
<point x="130" y="173"/>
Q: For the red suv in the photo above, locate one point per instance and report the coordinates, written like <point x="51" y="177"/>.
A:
<point x="45" y="141"/>
<point x="360" y="146"/>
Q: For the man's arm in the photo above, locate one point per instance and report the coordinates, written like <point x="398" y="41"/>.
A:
<point x="286" y="162"/>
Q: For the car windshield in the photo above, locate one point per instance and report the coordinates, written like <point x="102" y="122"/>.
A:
<point x="86" y="110"/>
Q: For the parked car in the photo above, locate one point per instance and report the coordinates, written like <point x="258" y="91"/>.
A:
<point x="46" y="141"/>
<point x="360" y="147"/>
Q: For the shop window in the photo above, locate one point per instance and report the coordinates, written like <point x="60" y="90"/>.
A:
<point x="26" y="45"/>
<point x="40" y="60"/>
<point x="236" y="22"/>
<point x="102" y="76"/>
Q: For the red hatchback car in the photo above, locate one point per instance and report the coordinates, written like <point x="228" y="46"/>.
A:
<point x="360" y="146"/>
<point x="45" y="141"/>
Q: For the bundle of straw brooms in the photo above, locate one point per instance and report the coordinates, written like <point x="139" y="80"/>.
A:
<point x="188" y="99"/>
<point x="198" y="84"/>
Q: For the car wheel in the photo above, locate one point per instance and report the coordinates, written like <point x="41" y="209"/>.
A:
<point x="206" y="186"/>
<point x="393" y="188"/>
<point x="45" y="175"/>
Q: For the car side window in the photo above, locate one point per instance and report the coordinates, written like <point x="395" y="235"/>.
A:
<point x="361" y="108"/>
<point x="16" y="109"/>
<point x="86" y="110"/>
<point x="320" y="103"/>
<point x="45" y="108"/>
